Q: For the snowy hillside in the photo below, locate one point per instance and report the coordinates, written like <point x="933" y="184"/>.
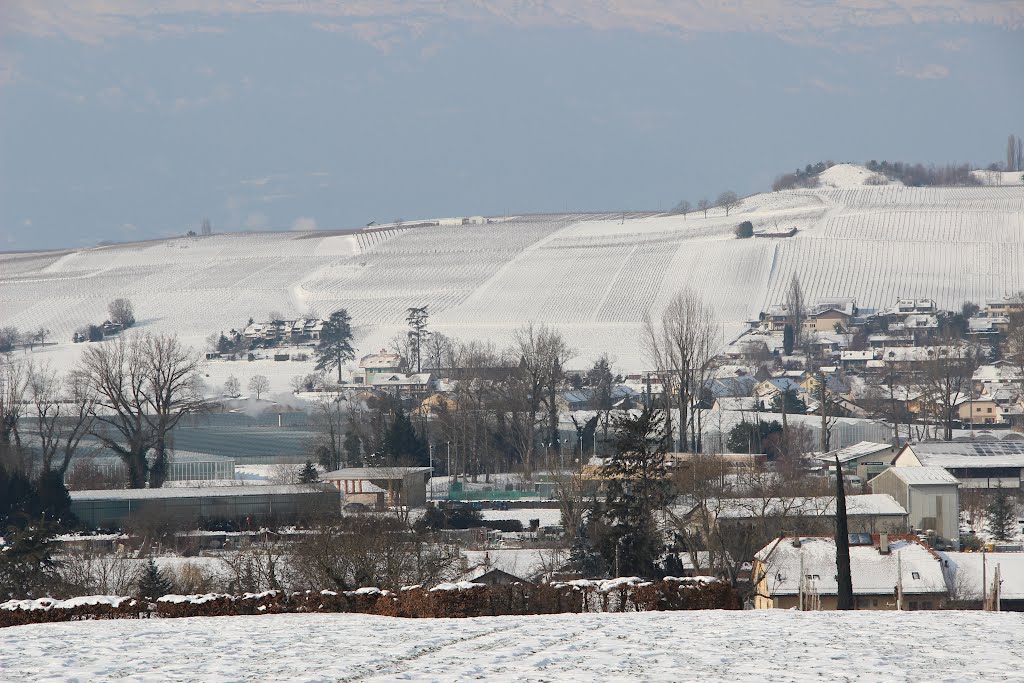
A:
<point x="595" y="276"/>
<point x="651" y="646"/>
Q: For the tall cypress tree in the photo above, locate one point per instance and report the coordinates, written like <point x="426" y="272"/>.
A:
<point x="844" y="599"/>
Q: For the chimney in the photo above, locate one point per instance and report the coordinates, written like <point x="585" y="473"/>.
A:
<point x="796" y="540"/>
<point x="883" y="544"/>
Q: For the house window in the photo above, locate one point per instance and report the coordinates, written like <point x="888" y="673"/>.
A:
<point x="926" y="604"/>
<point x="874" y="602"/>
<point x="915" y="575"/>
<point x="814" y="577"/>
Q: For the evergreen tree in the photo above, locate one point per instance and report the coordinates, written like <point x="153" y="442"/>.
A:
<point x="787" y="339"/>
<point x="353" y="448"/>
<point x="335" y="346"/>
<point x="54" y="499"/>
<point x="844" y="579"/>
<point x="794" y="405"/>
<point x="638" y="487"/>
<point x="401" y="443"/>
<point x="747" y="437"/>
<point x="152" y="583"/>
<point x="308" y="474"/>
<point x="27" y="568"/>
<point x="1001" y="514"/>
<point x="417" y="319"/>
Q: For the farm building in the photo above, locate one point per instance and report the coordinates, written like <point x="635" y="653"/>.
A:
<point x="931" y="496"/>
<point x="388" y="486"/>
<point x="976" y="464"/>
<point x="244" y="505"/>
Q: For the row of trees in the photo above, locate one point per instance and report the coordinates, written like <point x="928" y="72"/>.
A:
<point x="728" y="200"/>
<point x="127" y="394"/>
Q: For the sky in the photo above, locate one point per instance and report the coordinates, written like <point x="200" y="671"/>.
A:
<point x="124" y="120"/>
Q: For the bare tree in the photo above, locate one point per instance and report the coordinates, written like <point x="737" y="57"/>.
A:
<point x="144" y="384"/>
<point x="542" y="353"/>
<point x="331" y="414"/>
<point x="368" y="551"/>
<point x="687" y="342"/>
<point x="14" y="378"/>
<point x="61" y="416"/>
<point x="232" y="387"/>
<point x="946" y="374"/>
<point x="703" y="204"/>
<point x="684" y="207"/>
<point x="122" y="313"/>
<point x="728" y="201"/>
<point x="259" y="384"/>
<point x="439" y="352"/>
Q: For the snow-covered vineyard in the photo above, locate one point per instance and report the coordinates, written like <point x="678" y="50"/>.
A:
<point x="594" y="276"/>
<point x="653" y="646"/>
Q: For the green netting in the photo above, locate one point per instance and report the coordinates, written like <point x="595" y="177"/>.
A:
<point x="493" y="495"/>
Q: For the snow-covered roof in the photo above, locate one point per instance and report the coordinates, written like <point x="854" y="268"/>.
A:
<point x="923" y="476"/>
<point x="380" y="360"/>
<point x="857" y="450"/>
<point x="968" y="454"/>
<point x="965" y="572"/>
<point x="996" y="373"/>
<point x="384" y="379"/>
<point x="368" y="473"/>
<point x="873" y="573"/>
<point x="868" y="504"/>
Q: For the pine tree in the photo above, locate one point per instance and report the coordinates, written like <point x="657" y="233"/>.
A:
<point x="1001" y="514"/>
<point x="309" y="475"/>
<point x="637" y="488"/>
<point x="335" y="346"/>
<point x="153" y="584"/>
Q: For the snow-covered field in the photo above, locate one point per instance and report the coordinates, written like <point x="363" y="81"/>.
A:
<point x="594" y="276"/>
<point x="739" y="647"/>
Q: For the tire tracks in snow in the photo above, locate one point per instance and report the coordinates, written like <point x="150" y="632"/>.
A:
<point x="400" y="663"/>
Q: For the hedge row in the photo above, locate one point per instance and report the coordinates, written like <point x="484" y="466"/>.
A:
<point x="446" y="600"/>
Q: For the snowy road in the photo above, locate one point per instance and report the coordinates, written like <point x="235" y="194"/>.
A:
<point x="683" y="646"/>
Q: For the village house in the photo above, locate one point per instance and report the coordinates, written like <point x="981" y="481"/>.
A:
<point x="906" y="307"/>
<point x="987" y="327"/>
<point x="995" y="374"/>
<point x="284" y="331"/>
<point x="1004" y="307"/>
<point x="827" y="313"/>
<point x="379" y="363"/>
<point x="867" y="513"/>
<point x="888" y="573"/>
<point x="931" y="497"/>
<point x="978" y="411"/>
<point x="993" y="581"/>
